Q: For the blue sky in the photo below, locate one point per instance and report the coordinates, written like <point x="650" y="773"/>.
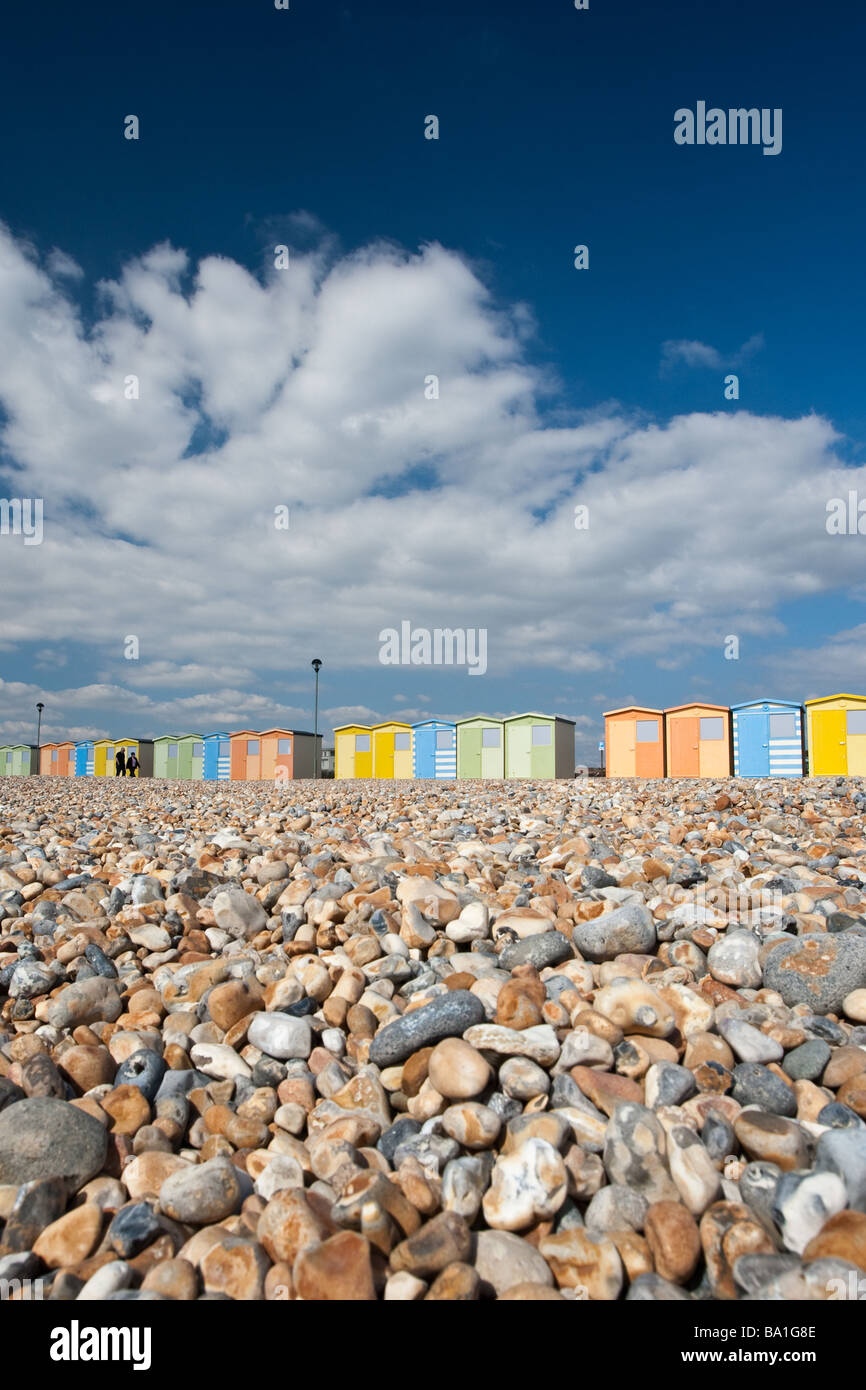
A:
<point x="558" y="386"/>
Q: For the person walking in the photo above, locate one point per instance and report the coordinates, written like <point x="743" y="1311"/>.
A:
<point x="132" y="764"/>
<point x="119" y="763"/>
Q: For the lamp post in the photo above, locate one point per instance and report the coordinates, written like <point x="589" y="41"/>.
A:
<point x="39" y="708"/>
<point x="316" y="665"/>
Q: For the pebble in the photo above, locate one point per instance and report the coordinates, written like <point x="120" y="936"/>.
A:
<point x="203" y="1194"/>
<point x="735" y="959"/>
<point x="506" y="1261"/>
<point x="586" y="1262"/>
<point x="854" y="1005"/>
<point x="843" y="1236"/>
<point x="819" y="969"/>
<point x="472" y="1125"/>
<point x="281" y="1036"/>
<point x="45" y="1138"/>
<point x="117" y="1274"/>
<point x="523" y="1079"/>
<point x="807" y="1062"/>
<point x="448" y="1016"/>
<point x="628" y="928"/>
<point x="771" y="1138"/>
<point x="457" y="1070"/>
<point x="843" y="1151"/>
<point x="802" y="1205"/>
<point x="674" y="1241"/>
<point x="539" y="1044"/>
<point x="337" y="1270"/>
<point x="133" y="1228"/>
<point x="748" y="1043"/>
<point x="549" y="949"/>
<point x="756" y="1085"/>
<point x="442" y="1241"/>
<point x="525" y="1186"/>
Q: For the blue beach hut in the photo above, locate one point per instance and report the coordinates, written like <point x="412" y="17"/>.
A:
<point x="434" y="749"/>
<point x="217" y="757"/>
<point x="84" y="758"/>
<point x="768" y="739"/>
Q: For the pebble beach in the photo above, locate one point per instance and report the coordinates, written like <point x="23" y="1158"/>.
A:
<point x="591" y="1040"/>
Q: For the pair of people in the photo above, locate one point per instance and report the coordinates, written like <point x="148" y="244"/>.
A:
<point x="125" y="766"/>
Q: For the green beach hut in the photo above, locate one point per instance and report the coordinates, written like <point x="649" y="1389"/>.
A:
<point x="19" y="759"/>
<point x="480" y="747"/>
<point x="539" y="745"/>
<point x="179" y="756"/>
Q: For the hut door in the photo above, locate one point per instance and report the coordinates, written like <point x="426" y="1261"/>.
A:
<point x="383" y="755"/>
<point x="647" y="748"/>
<point x="621" y="756"/>
<point x="685" y="751"/>
<point x="753" y="743"/>
<point x="345" y="754"/>
<point x="470" y="752"/>
<point x="425" y="740"/>
<point x="830" y="753"/>
<point x="518" y="750"/>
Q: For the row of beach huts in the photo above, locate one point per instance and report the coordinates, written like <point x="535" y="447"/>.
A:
<point x="759" y="738"/>
<point x="247" y="755"/>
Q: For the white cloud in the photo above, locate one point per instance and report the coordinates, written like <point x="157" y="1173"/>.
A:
<point x="62" y="265"/>
<point x="692" y="353"/>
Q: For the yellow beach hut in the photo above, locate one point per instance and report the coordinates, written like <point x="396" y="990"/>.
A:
<point x="392" y="750"/>
<point x="353" y="751"/>
<point x="836" y="735"/>
<point x="104" y="750"/>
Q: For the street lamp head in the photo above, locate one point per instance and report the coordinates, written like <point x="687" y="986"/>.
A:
<point x="316" y="664"/>
<point x="40" y="706"/>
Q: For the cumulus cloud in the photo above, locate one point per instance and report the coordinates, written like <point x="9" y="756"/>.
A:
<point x="306" y="389"/>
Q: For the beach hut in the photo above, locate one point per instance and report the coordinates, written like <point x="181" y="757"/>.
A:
<point x="353" y="751"/>
<point x="288" y="753"/>
<point x="698" y="739"/>
<point x="306" y="753"/>
<point x="836" y="735"/>
<point x="57" y="759"/>
<point x="539" y="745"/>
<point x="19" y="759"/>
<point x="634" y="742"/>
<point x="392" y="750"/>
<point x="179" y="756"/>
<point x="480" y="747"/>
<point x="434" y="749"/>
<point x="105" y="750"/>
<point x="768" y="739"/>
<point x="246" y="755"/>
<point x="217" y="757"/>
<point x="85" y="755"/>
